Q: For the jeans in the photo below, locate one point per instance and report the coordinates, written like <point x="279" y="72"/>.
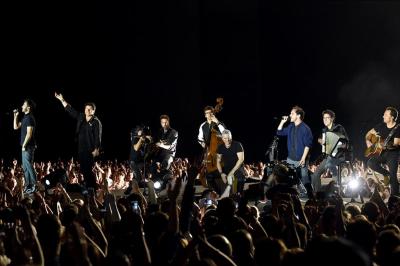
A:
<point x="390" y="158"/>
<point x="137" y="170"/>
<point x="164" y="160"/>
<point x="305" y="178"/>
<point x="86" y="162"/>
<point x="328" y="163"/>
<point x="27" y="166"/>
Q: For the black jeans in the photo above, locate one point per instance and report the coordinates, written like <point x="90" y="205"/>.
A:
<point x="390" y="158"/>
<point x="137" y="169"/>
<point x="86" y="162"/>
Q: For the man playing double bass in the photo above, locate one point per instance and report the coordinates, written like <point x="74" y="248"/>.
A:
<point x="387" y="146"/>
<point x="212" y="122"/>
<point x="208" y="132"/>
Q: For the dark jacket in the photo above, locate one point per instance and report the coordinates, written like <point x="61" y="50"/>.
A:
<point x="303" y="138"/>
<point x="88" y="133"/>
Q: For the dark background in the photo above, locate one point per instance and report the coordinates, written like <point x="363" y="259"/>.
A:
<point x="140" y="59"/>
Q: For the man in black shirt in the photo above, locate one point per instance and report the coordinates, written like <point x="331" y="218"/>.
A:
<point x="139" y="145"/>
<point x="389" y="132"/>
<point x="167" y="140"/>
<point x="88" y="133"/>
<point x="28" y="143"/>
<point x="332" y="159"/>
<point x="230" y="158"/>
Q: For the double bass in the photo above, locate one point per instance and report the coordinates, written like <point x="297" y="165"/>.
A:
<point x="209" y="162"/>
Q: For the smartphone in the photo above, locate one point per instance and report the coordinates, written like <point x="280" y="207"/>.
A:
<point x="209" y="202"/>
<point x="91" y="191"/>
<point x="135" y="205"/>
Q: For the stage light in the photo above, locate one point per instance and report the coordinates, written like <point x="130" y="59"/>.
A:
<point x="157" y="184"/>
<point x="354" y="184"/>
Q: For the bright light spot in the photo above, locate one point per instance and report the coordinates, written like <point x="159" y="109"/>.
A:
<point x="157" y="185"/>
<point x="354" y="184"/>
<point x="47" y="182"/>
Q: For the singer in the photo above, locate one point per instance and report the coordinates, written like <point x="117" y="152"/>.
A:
<point x="299" y="141"/>
<point x="28" y="143"/>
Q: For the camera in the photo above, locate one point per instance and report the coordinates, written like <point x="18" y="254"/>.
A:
<point x="146" y="131"/>
<point x="287" y="173"/>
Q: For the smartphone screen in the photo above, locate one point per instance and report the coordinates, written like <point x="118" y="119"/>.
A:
<point x="135" y="205"/>
<point x="91" y="191"/>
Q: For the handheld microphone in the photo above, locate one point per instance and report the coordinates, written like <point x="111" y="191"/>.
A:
<point x="12" y="112"/>
<point x="279" y="118"/>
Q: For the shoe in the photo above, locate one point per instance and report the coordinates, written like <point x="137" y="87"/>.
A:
<point x="27" y="188"/>
<point x="30" y="190"/>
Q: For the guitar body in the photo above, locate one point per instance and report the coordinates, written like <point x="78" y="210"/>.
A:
<point x="376" y="148"/>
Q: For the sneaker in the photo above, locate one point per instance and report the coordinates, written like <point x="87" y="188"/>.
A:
<point x="30" y="190"/>
<point x="27" y="188"/>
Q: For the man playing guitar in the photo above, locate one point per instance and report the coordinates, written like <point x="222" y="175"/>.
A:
<point x="383" y="142"/>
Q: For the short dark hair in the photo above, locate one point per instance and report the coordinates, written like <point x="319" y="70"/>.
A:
<point x="209" y="108"/>
<point x="164" y="117"/>
<point x="281" y="173"/>
<point x="91" y="104"/>
<point x="31" y="104"/>
<point x="299" y="111"/>
<point x="329" y="112"/>
<point x="393" y="112"/>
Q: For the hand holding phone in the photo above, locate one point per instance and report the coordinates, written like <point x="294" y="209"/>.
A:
<point x="135" y="206"/>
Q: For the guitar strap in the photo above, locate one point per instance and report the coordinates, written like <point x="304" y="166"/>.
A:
<point x="390" y="135"/>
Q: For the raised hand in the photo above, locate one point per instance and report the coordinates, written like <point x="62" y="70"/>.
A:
<point x="59" y="96"/>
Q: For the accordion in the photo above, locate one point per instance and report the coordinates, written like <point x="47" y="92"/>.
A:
<point x="332" y="142"/>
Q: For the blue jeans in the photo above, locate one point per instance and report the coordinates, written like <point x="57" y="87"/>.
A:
<point x="27" y="166"/>
<point x="305" y="178"/>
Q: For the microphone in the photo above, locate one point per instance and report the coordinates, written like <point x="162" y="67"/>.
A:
<point x="13" y="112"/>
<point x="279" y="118"/>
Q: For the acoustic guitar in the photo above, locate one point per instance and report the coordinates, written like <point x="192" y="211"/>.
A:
<point x="378" y="145"/>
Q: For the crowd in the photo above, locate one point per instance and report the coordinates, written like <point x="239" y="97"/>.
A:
<point x="63" y="223"/>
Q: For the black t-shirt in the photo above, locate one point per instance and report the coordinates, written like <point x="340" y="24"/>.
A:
<point x="170" y="137"/>
<point x="137" y="156"/>
<point x="229" y="155"/>
<point x="384" y="132"/>
<point x="28" y="121"/>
